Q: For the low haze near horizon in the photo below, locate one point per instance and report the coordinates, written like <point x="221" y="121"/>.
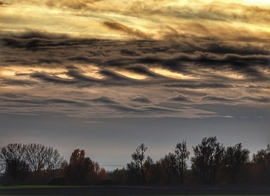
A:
<point x="105" y="76"/>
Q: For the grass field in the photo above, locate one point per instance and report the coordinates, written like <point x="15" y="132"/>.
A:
<point x="41" y="190"/>
<point x="35" y="187"/>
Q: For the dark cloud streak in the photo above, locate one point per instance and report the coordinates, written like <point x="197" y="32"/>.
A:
<point x="237" y="99"/>
<point x="125" y="29"/>
<point x="53" y="79"/>
<point x="140" y="99"/>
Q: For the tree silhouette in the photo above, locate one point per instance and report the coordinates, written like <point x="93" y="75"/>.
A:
<point x="262" y="159"/>
<point x="2" y="165"/>
<point x="181" y="157"/>
<point x="139" y="166"/>
<point x="169" y="164"/>
<point x="102" y="174"/>
<point x="94" y="171"/>
<point x="207" y="159"/>
<point x="158" y="174"/>
<point x="40" y="157"/>
<point x="235" y="158"/>
<point x="119" y="176"/>
<point x="133" y="173"/>
<point x="12" y="157"/>
<point x="21" y="164"/>
<point x="79" y="167"/>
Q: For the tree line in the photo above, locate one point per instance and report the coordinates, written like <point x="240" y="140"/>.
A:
<point x="211" y="164"/>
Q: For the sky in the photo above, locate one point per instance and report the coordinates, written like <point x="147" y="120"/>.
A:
<point x="108" y="75"/>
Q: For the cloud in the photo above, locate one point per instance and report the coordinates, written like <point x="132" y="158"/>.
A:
<point x="75" y="73"/>
<point x="104" y="99"/>
<point x="198" y="85"/>
<point x="53" y="79"/>
<point x="71" y="4"/>
<point x="106" y="75"/>
<point x="160" y="20"/>
<point x="142" y="70"/>
<point x="219" y="99"/>
<point x="242" y="48"/>
<point x="101" y="107"/>
<point x="112" y="75"/>
<point x="140" y="99"/>
<point x="242" y="62"/>
<point x="14" y="82"/>
<point x="32" y="101"/>
<point x="30" y="34"/>
<point x="257" y="99"/>
<point x="65" y="101"/>
<point x="111" y="104"/>
<point x="180" y="98"/>
<point x="125" y="29"/>
<point x="245" y="64"/>
<point x="126" y="52"/>
<point x="213" y="68"/>
<point x="236" y="100"/>
<point x="3" y="3"/>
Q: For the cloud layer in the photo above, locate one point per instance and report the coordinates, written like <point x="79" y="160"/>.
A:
<point x="134" y="59"/>
<point x="113" y="78"/>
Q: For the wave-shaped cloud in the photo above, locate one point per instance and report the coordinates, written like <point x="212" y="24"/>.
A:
<point x="157" y="58"/>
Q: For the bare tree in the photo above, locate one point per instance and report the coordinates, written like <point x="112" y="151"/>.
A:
<point x="40" y="157"/>
<point x="12" y="159"/>
<point x="2" y="166"/>
<point x="35" y="155"/>
<point x="53" y="159"/>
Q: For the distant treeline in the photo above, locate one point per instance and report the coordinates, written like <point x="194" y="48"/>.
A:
<point x="212" y="163"/>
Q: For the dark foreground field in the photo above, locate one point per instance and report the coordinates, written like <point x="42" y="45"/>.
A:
<point x="134" y="191"/>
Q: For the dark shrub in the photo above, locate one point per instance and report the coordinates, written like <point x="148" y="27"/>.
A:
<point x="107" y="182"/>
<point x="8" y="181"/>
<point x="58" y="181"/>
